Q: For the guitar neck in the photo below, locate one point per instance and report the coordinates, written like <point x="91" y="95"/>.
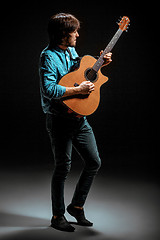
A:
<point x="109" y="47"/>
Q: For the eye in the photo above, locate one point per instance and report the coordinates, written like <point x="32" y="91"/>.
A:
<point x="75" y="31"/>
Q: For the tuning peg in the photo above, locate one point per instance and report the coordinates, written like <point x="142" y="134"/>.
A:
<point x="119" y="19"/>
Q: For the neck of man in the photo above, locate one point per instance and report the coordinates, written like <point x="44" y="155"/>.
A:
<point x="63" y="47"/>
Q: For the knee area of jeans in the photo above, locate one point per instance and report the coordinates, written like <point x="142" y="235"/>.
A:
<point x="93" y="168"/>
<point x="63" y="168"/>
<point x="97" y="164"/>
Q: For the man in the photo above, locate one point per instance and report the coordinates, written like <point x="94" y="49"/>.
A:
<point x="66" y="129"/>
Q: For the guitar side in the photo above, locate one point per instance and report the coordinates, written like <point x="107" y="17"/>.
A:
<point x="83" y="104"/>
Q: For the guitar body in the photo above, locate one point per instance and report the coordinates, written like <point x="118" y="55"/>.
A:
<point x="90" y="70"/>
<point x="83" y="104"/>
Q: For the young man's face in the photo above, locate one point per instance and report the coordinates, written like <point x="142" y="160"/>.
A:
<point x="71" y="40"/>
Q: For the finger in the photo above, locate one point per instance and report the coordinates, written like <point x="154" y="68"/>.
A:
<point x="91" y="85"/>
<point x="108" y="54"/>
<point x="87" y="82"/>
<point x="91" y="89"/>
<point x="101" y="52"/>
<point x="107" y="57"/>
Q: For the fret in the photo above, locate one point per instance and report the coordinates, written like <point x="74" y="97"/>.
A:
<point x="109" y="47"/>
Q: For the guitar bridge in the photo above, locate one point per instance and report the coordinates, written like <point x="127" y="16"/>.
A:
<point x="76" y="84"/>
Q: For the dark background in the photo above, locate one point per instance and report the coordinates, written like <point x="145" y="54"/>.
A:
<point x="123" y="123"/>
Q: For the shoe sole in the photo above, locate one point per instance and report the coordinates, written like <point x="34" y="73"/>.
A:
<point x="62" y="229"/>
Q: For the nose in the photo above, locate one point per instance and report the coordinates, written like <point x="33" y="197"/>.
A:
<point x="77" y="34"/>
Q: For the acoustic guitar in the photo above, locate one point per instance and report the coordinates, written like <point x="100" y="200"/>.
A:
<point x="90" y="70"/>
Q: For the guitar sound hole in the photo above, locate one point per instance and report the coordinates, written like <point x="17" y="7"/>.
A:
<point x="91" y="75"/>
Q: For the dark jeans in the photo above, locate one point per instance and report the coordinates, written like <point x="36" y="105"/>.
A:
<point x="65" y="133"/>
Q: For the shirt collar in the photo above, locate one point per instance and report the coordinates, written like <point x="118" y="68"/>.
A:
<point x="58" y="49"/>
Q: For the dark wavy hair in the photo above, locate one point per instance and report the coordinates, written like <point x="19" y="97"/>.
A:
<point x="59" y="27"/>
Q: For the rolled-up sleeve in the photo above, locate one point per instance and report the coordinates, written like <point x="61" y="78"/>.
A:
<point x="49" y="77"/>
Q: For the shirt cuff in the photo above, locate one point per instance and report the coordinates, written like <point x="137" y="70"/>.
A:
<point x="61" y="91"/>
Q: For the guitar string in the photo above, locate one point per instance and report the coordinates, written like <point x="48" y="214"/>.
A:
<point x="109" y="47"/>
<point x="91" y="74"/>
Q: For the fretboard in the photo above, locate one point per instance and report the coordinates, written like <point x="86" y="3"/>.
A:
<point x="109" y="47"/>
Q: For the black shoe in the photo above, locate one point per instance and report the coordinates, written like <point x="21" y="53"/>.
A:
<point x="61" y="224"/>
<point x="79" y="215"/>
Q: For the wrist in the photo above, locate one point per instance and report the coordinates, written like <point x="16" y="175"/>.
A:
<point x="72" y="91"/>
<point x="77" y="89"/>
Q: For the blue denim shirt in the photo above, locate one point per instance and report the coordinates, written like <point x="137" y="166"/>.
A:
<point x="54" y="64"/>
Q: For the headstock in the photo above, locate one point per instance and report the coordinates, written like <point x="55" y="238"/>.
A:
<point x="124" y="23"/>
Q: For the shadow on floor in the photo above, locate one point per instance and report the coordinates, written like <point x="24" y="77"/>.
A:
<point x="14" y="220"/>
<point x="28" y="228"/>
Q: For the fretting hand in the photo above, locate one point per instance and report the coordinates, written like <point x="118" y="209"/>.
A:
<point x="107" y="58"/>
